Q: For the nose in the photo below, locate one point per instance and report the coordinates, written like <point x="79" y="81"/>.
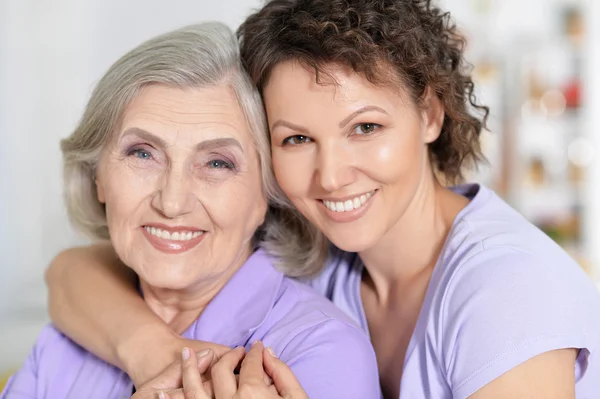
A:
<point x="334" y="167"/>
<point x="175" y="197"/>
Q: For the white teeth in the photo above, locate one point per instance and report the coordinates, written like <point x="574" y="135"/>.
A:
<point x="176" y="236"/>
<point x="348" y="205"/>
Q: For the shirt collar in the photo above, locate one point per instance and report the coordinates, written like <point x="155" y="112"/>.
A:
<point x="241" y="306"/>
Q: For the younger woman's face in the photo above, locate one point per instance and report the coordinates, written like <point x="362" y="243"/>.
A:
<point x="349" y="155"/>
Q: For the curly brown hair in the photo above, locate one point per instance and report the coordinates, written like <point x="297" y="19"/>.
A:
<point x="417" y="39"/>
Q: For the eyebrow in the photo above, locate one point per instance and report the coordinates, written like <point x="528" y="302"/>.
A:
<point x="289" y="125"/>
<point x="359" y="111"/>
<point x="341" y="125"/>
<point x="202" y="146"/>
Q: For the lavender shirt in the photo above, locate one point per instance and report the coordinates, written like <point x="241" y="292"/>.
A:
<point x="501" y="293"/>
<point x="328" y="353"/>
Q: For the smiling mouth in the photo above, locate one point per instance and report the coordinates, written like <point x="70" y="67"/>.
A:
<point x="173" y="236"/>
<point x="350" y="204"/>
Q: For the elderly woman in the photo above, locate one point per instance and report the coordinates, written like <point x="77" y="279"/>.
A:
<point x="171" y="162"/>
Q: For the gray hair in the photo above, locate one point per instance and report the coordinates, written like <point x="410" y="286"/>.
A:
<point x="200" y="55"/>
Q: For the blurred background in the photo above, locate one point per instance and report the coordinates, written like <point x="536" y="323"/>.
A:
<point x="536" y="64"/>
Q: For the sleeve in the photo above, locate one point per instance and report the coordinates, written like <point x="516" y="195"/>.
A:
<point x="343" y="356"/>
<point x="504" y="307"/>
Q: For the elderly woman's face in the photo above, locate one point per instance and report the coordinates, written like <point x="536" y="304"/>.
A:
<point x="182" y="186"/>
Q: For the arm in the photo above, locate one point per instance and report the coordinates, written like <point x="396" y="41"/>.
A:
<point x="93" y="299"/>
<point x="549" y="375"/>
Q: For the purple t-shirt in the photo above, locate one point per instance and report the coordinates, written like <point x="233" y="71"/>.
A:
<point x="331" y="356"/>
<point x="501" y="293"/>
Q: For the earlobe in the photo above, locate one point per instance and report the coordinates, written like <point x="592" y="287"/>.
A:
<point x="99" y="191"/>
<point x="433" y="115"/>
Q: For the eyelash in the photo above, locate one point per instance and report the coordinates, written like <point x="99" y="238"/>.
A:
<point x="288" y="140"/>
<point x="358" y="126"/>
<point x="224" y="162"/>
<point x="216" y="163"/>
<point x="137" y="150"/>
<point x="306" y="139"/>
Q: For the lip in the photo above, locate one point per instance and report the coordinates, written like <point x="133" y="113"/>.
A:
<point x="347" y="217"/>
<point x="172" y="246"/>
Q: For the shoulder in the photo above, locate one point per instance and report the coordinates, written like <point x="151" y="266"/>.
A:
<point x="51" y="341"/>
<point x="506" y="293"/>
<point x="493" y="247"/>
<point x="52" y="358"/>
<point x="313" y="334"/>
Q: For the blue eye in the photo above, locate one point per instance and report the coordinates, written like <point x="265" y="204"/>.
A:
<point x="220" y="164"/>
<point x="366" y="128"/>
<point x="295" y="140"/>
<point x="139" y="153"/>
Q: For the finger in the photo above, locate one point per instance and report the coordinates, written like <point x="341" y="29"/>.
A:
<point x="172" y="394"/>
<point x="217" y="350"/>
<point x="223" y="378"/>
<point x="169" y="378"/>
<point x="284" y="379"/>
<point x="190" y="373"/>
<point x="252" y="371"/>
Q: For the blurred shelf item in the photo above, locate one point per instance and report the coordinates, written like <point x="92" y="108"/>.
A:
<point x="536" y="146"/>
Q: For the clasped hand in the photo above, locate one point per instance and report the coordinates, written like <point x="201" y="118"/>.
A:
<point x="261" y="375"/>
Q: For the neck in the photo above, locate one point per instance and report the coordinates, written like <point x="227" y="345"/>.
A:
<point x="179" y="308"/>
<point x="409" y="250"/>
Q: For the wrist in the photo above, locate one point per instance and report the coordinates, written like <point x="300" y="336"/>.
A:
<point x="147" y="352"/>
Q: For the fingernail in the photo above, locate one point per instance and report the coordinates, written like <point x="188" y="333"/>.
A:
<point x="161" y="395"/>
<point x="255" y="342"/>
<point x="270" y="352"/>
<point x="203" y="353"/>
<point x="185" y="353"/>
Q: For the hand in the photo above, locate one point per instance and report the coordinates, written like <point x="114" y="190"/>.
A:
<point x="187" y="373"/>
<point x="225" y="384"/>
<point x="143" y="365"/>
<point x="252" y="382"/>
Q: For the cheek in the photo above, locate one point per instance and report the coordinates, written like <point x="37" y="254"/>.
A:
<point x="293" y="171"/>
<point x="125" y="190"/>
<point x="237" y="203"/>
<point x="395" y="157"/>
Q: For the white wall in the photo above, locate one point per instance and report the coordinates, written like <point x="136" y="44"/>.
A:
<point x="51" y="54"/>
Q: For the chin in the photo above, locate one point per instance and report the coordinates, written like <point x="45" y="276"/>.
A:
<point x="346" y="241"/>
<point x="166" y="281"/>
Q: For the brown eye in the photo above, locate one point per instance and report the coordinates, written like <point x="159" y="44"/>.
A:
<point x="295" y="140"/>
<point x="366" y="128"/>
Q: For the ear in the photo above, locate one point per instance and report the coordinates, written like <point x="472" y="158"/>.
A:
<point x="99" y="190"/>
<point x="433" y="116"/>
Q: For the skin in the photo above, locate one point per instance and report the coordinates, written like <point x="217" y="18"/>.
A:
<point x="249" y="384"/>
<point x="347" y="137"/>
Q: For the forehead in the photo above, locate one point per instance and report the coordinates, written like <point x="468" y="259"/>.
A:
<point x="192" y="114"/>
<point x="336" y="84"/>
